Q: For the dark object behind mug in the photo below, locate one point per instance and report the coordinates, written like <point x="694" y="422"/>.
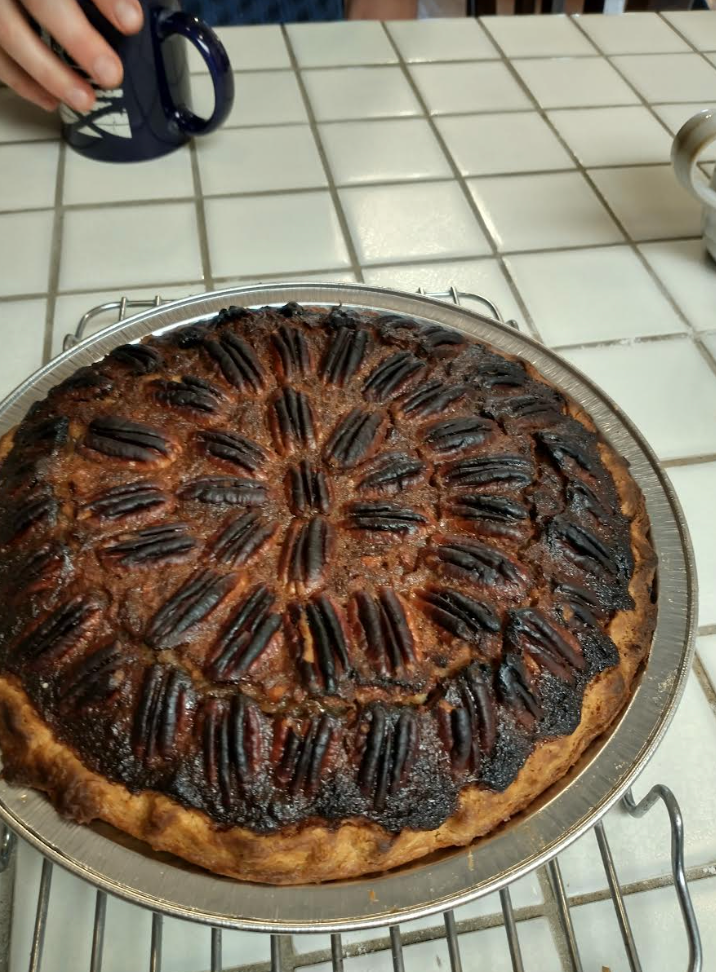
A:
<point x="149" y="115"/>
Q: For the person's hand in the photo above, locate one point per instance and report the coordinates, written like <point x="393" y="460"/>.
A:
<point x="29" y="67"/>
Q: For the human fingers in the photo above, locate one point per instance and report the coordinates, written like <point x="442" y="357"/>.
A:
<point x="23" y="45"/>
<point x="21" y="82"/>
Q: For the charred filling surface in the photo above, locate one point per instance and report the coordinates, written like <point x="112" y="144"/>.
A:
<point x="293" y="564"/>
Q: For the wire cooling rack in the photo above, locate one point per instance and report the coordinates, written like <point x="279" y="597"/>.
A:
<point x="280" y="956"/>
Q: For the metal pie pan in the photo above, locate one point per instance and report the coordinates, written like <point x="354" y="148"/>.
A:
<point x="125" y="867"/>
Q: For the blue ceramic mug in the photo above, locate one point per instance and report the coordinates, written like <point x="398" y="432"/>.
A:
<point x="149" y="115"/>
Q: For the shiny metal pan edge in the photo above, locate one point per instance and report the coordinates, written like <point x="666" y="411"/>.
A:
<point x="129" y="869"/>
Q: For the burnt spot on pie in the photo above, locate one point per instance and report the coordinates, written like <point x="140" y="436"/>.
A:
<point x="232" y="448"/>
<point x="187" y="607"/>
<point x="242" y="538"/>
<point x="245" y="637"/>
<point x="122" y="438"/>
<point x="291" y="421"/>
<point x="354" y="438"/>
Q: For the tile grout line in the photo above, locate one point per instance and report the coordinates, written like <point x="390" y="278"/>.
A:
<point x="55" y="256"/>
<point x="199" y="203"/>
<point x="368" y="64"/>
<point x="550" y="913"/>
<point x="332" y="189"/>
<point x="462" y="183"/>
<point x="688" y="461"/>
<point x="707" y="687"/>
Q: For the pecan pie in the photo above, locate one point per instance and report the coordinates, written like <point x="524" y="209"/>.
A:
<point x="300" y="595"/>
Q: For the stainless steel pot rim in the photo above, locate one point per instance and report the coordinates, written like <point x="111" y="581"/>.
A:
<point x="128" y="869"/>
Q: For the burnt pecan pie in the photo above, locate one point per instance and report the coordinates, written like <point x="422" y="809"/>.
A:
<point x="300" y="595"/>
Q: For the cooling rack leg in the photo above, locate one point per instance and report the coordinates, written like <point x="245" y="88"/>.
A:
<point x="616" y="893"/>
<point x="216" y="950"/>
<point x="452" y="942"/>
<point x="661" y="792"/>
<point x="8" y="858"/>
<point x="396" y="948"/>
<point x="100" y="911"/>
<point x="337" y="953"/>
<point x="43" y="901"/>
<point x="155" y="959"/>
<point x="511" y="929"/>
<point x="565" y="918"/>
<point x="275" y="954"/>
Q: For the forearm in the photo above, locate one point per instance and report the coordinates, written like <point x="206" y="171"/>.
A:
<point x="382" y="9"/>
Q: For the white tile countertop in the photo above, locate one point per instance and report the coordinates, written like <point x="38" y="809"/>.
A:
<point x="524" y="158"/>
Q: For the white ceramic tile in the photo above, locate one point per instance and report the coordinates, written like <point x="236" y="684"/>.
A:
<point x="543" y="211"/>
<point x="22" y="328"/>
<point x="393" y="150"/>
<point x="689" y="274"/>
<point x="262" y="98"/>
<point x="450" y="88"/>
<point x="331" y="44"/>
<point x="441" y="39"/>
<point x="325" y="276"/>
<point x="613" y="136"/>
<point x="513" y="142"/>
<point x="591" y="295"/>
<point x="657" y="925"/>
<point x="649" y="202"/>
<point x="697" y="26"/>
<point x="696" y="488"/>
<point x="129" y="246"/>
<point x="378" y="92"/>
<point x="538" y="36"/>
<point x="666" y="387"/>
<point x="489" y="947"/>
<point x="575" y="82"/>
<point x="669" y="77"/>
<point x="69" y="308"/>
<point x="706" y="648"/>
<point x="674" y="116"/>
<point x="87" y="181"/>
<point x="272" y="234"/>
<point x="641" y="848"/>
<point x="235" y="160"/>
<point x="483" y="277"/>
<point x="29" y="175"/>
<point x="249" y="48"/>
<point x="25" y="244"/>
<point x="22" y="121"/>
<point x="408" y="223"/>
<point x="632" y="33"/>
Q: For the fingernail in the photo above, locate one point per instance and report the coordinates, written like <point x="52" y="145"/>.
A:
<point x="106" y="71"/>
<point x="128" y="15"/>
<point x="49" y="104"/>
<point x="80" y="99"/>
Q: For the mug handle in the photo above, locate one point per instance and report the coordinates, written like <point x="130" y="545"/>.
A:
<point x="691" y="139"/>
<point x="217" y="60"/>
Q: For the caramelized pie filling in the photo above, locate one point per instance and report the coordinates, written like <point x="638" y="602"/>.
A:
<point x="293" y="565"/>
